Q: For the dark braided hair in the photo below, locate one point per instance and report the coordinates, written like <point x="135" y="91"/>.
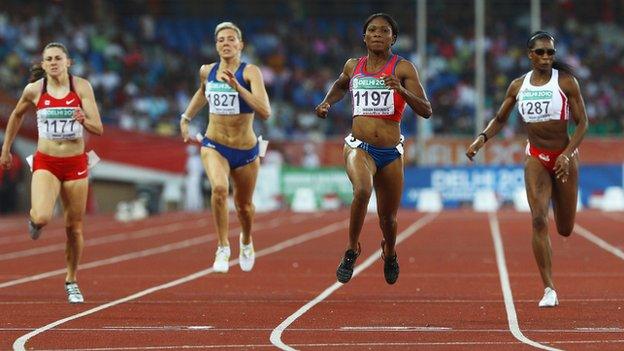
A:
<point x="388" y="18"/>
<point x="36" y="71"/>
<point x="558" y="65"/>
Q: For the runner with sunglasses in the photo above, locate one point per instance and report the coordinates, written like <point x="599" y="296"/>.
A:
<point x="547" y="97"/>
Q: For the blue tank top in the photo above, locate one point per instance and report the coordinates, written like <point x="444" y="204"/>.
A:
<point x="222" y="99"/>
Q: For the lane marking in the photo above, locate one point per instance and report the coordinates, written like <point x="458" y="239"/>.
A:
<point x="20" y="343"/>
<point x="512" y="318"/>
<point x="145" y="253"/>
<point x="598" y="241"/>
<point x="276" y="334"/>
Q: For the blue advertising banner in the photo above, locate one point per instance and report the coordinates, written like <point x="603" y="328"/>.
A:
<point x="458" y="184"/>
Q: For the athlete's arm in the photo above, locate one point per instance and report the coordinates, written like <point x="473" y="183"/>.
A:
<point x="338" y="89"/>
<point x="89" y="116"/>
<point x="498" y="122"/>
<point x="257" y="98"/>
<point x="407" y="84"/>
<point x="15" y="121"/>
<point x="571" y="89"/>
<point x="197" y="102"/>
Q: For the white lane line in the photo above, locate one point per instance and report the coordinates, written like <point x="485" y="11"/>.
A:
<point x="512" y="318"/>
<point x="598" y="241"/>
<point x="276" y="334"/>
<point x="20" y="343"/>
<point x="144" y="253"/>
<point x="395" y="329"/>
<point x="108" y="239"/>
<point x="354" y="345"/>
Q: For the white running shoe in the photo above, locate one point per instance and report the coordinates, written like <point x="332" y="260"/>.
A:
<point x="222" y="258"/>
<point x="73" y="293"/>
<point x="247" y="257"/>
<point x="549" y="299"/>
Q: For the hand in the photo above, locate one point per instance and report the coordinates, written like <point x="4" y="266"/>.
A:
<point x="562" y="167"/>
<point x="475" y="147"/>
<point x="79" y="115"/>
<point x="392" y="82"/>
<point x="229" y="77"/>
<point x="322" y="109"/>
<point x="184" y="129"/>
<point x="6" y="160"/>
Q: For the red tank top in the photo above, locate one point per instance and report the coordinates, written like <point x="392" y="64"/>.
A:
<point x="370" y="96"/>
<point x="48" y="101"/>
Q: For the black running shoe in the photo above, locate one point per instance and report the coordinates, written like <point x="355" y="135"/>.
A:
<point x="391" y="266"/>
<point x="345" y="269"/>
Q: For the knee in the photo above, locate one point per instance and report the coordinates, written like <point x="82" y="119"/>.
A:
<point x="40" y="220"/>
<point x="245" y="209"/>
<point x="219" y="194"/>
<point x="362" y="194"/>
<point x="74" y="232"/>
<point x="540" y="223"/>
<point x="386" y="221"/>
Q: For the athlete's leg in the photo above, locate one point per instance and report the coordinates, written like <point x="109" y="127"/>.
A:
<point x="218" y="170"/>
<point x="389" y="189"/>
<point x="244" y="179"/>
<point x="538" y="182"/>
<point x="564" y="199"/>
<point x="45" y="188"/>
<point x="360" y="169"/>
<point x="74" y="197"/>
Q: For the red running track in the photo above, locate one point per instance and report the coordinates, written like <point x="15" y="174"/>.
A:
<point x="468" y="281"/>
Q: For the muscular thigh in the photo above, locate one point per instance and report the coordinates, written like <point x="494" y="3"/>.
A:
<point x="216" y="166"/>
<point x="244" y="179"/>
<point x="44" y="190"/>
<point x="538" y="183"/>
<point x="360" y="166"/>
<point x="565" y="196"/>
<point x="388" y="183"/>
<point x="74" y="197"/>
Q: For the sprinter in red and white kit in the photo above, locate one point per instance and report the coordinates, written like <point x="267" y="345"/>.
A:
<point x="65" y="107"/>
<point x="547" y="97"/>
<point x="381" y="83"/>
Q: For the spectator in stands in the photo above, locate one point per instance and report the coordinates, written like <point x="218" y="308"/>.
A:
<point x="234" y="91"/>
<point x="380" y="83"/>
<point x="547" y="97"/>
<point x="65" y="107"/>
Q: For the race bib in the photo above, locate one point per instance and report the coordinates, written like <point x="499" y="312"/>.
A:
<point x="371" y="97"/>
<point x="58" y="123"/>
<point x="535" y="106"/>
<point x="222" y="99"/>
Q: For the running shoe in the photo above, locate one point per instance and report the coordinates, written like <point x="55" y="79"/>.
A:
<point x="549" y="299"/>
<point x="33" y="230"/>
<point x="345" y="269"/>
<point x="222" y="258"/>
<point x="246" y="257"/>
<point x="391" y="266"/>
<point x="73" y="293"/>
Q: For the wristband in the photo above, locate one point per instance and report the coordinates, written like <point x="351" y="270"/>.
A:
<point x="185" y="117"/>
<point x="485" y="137"/>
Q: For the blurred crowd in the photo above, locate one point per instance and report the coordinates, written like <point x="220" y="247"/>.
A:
<point x="143" y="57"/>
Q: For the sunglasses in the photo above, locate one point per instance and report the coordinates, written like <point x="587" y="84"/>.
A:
<point x="540" y="52"/>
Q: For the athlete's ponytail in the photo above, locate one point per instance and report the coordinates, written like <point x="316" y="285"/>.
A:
<point x="558" y="65"/>
<point x="36" y="72"/>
